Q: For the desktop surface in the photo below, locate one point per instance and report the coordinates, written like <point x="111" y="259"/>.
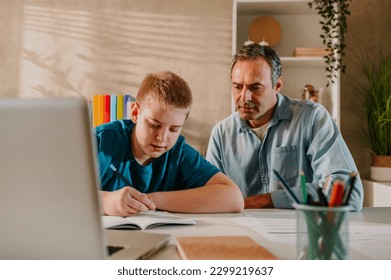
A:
<point x="369" y="231"/>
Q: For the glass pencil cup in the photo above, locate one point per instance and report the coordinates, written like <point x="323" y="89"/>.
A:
<point x="322" y="232"/>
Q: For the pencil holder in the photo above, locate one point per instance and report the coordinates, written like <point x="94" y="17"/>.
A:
<point x="322" y="232"/>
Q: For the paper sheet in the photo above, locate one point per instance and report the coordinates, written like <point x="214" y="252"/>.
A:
<point x="281" y="228"/>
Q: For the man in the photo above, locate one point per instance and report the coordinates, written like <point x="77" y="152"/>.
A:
<point x="145" y="164"/>
<point x="270" y="131"/>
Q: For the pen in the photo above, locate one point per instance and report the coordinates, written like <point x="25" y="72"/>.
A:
<point x="322" y="198"/>
<point x="326" y="186"/>
<point x="286" y="186"/>
<point x="122" y="177"/>
<point x="303" y="187"/>
<point x="349" y="189"/>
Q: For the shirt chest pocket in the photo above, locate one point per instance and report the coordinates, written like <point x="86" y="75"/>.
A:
<point x="284" y="161"/>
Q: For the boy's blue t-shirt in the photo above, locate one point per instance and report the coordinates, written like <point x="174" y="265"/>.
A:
<point x="182" y="167"/>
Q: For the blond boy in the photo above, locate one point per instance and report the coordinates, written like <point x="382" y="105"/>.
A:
<point x="163" y="171"/>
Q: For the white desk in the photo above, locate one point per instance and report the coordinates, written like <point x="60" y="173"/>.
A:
<point x="225" y="224"/>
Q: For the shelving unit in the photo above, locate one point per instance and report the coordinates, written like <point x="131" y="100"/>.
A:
<point x="299" y="28"/>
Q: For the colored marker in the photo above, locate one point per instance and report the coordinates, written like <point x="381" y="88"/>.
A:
<point x="286" y="187"/>
<point x="303" y="187"/>
<point x="336" y="194"/>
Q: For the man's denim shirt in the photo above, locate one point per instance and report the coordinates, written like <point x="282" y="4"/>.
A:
<point x="301" y="136"/>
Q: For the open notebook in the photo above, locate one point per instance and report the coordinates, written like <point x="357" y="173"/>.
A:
<point x="49" y="201"/>
<point x="145" y="220"/>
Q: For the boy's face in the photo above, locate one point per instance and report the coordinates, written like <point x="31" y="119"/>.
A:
<point x="156" y="131"/>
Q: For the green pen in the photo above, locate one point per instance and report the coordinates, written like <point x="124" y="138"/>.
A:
<point x="303" y="187"/>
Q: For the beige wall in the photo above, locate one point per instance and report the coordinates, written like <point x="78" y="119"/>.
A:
<point x="78" y="48"/>
<point x="368" y="31"/>
<point x="73" y="47"/>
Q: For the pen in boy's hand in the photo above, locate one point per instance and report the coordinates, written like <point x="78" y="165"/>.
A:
<point x="120" y="175"/>
<point x="115" y="170"/>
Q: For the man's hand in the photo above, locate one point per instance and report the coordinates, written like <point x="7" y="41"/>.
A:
<point x="125" y="202"/>
<point x="259" y="201"/>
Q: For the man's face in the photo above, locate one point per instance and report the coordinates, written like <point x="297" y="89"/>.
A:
<point x="157" y="129"/>
<point x="252" y="90"/>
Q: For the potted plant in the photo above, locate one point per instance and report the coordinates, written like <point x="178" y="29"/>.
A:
<point x="334" y="15"/>
<point x="378" y="112"/>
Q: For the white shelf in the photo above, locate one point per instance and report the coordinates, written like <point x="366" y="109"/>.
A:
<point x="284" y="7"/>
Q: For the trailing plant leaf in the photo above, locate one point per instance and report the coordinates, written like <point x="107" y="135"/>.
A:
<point x="334" y="15"/>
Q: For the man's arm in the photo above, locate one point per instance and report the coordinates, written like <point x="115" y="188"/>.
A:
<point x="258" y="201"/>
<point x="220" y="194"/>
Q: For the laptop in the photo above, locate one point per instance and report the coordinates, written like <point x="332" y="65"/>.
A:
<point x="49" y="200"/>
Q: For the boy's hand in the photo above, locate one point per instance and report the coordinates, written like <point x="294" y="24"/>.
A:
<point x="125" y="202"/>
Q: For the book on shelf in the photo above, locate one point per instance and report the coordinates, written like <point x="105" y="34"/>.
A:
<point x="106" y="108"/>
<point x="310" y="52"/>
<point x="97" y="110"/>
<point x="110" y="107"/>
<point x="113" y="107"/>
<point x="232" y="247"/>
<point x="120" y="107"/>
<point x="127" y="101"/>
<point x="145" y="220"/>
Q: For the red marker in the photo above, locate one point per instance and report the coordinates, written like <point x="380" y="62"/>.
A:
<point x="336" y="194"/>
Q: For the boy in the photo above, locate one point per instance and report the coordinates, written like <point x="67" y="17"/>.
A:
<point x="152" y="156"/>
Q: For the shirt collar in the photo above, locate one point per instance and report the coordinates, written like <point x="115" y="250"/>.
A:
<point x="282" y="112"/>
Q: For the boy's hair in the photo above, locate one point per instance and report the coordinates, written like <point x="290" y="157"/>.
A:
<point x="165" y="88"/>
<point x="254" y="51"/>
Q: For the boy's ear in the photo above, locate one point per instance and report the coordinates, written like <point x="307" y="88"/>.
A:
<point x="135" y="110"/>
